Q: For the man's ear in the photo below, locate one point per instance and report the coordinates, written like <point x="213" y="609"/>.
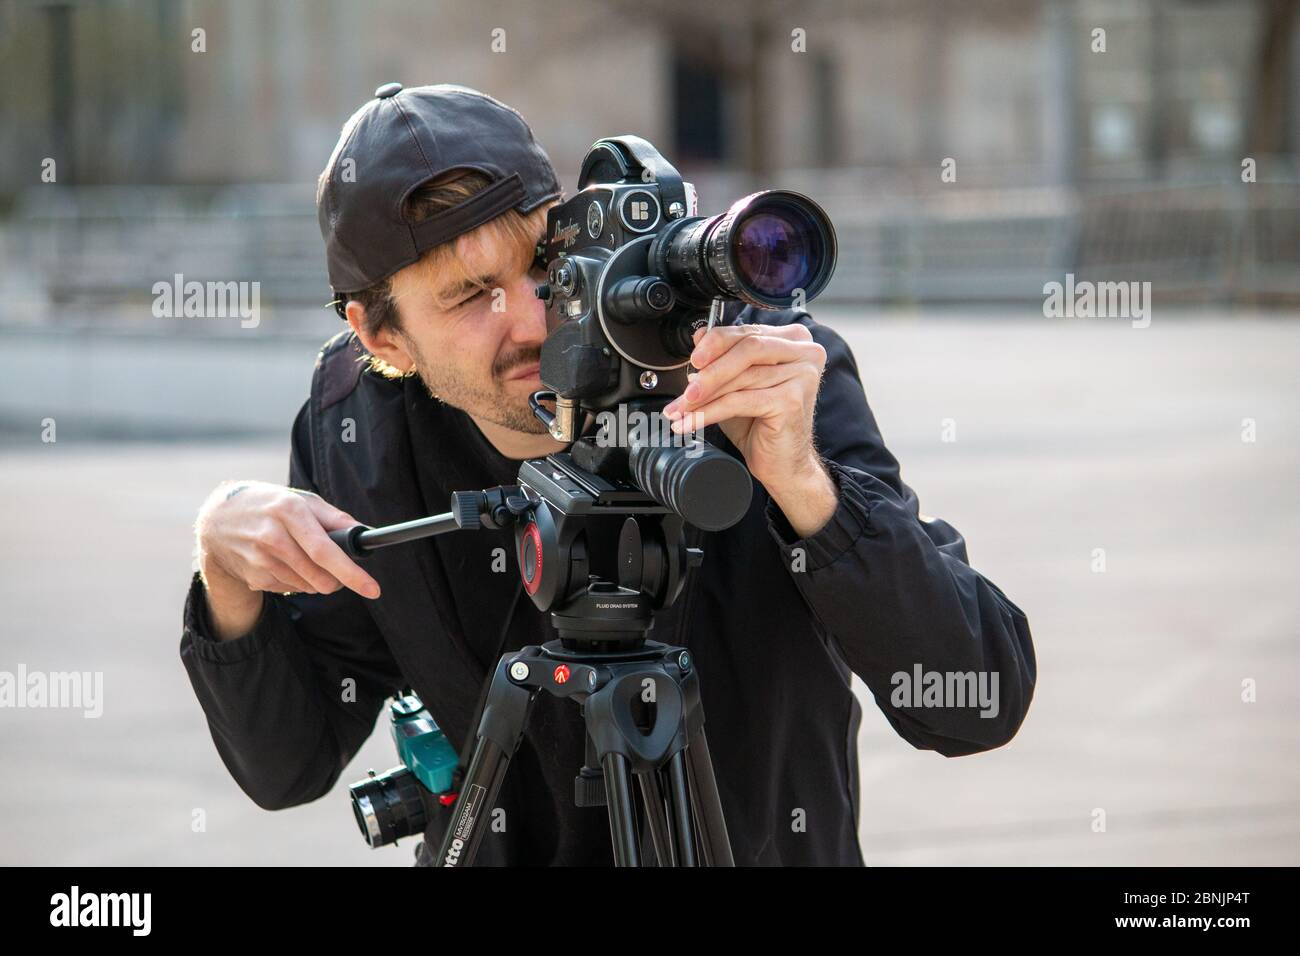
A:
<point x="385" y="344"/>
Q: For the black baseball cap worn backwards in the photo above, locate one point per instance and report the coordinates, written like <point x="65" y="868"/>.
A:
<point x="399" y="141"/>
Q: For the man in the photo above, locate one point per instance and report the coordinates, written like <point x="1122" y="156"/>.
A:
<point x="430" y="207"/>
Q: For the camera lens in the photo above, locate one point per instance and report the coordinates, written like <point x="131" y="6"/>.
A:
<point x="703" y="484"/>
<point x="775" y="253"/>
<point x="766" y="249"/>
<point x="388" y="807"/>
<point x="637" y="298"/>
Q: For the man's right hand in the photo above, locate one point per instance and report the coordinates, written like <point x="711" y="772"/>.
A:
<point x="254" y="537"/>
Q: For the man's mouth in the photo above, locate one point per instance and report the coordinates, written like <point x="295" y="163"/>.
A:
<point x="525" y="371"/>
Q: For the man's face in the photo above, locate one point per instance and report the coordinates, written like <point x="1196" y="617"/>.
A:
<point x="477" y="345"/>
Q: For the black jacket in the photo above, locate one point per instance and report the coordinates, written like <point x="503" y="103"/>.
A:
<point x="775" y="631"/>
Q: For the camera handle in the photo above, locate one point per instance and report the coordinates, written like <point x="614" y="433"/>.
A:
<point x="471" y="510"/>
<point x="615" y="158"/>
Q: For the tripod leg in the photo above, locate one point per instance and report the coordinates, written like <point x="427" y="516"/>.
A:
<point x="701" y="827"/>
<point x="679" y="797"/>
<point x="482" y="782"/>
<point x="504" y="715"/>
<point x="707" y="805"/>
<point x="622" y="821"/>
<point x="652" y="795"/>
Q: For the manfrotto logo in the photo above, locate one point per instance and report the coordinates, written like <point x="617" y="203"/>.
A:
<point x="102" y="909"/>
<point x="923" y="688"/>
<point x="1102" y="300"/>
<point x="65" y="690"/>
<point x="208" y="300"/>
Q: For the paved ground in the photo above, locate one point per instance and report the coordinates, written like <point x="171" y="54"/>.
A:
<point x="1069" y="437"/>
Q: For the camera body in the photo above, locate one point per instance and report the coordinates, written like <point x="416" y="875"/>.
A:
<point x="632" y="272"/>
<point x="596" y="251"/>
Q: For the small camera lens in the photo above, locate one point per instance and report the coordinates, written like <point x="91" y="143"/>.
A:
<point x="659" y="295"/>
<point x="388" y="807"/>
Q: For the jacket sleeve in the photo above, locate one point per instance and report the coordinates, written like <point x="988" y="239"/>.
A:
<point x="289" y="703"/>
<point x="893" y="591"/>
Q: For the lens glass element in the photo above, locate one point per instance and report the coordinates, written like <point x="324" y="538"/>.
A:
<point x="777" y="248"/>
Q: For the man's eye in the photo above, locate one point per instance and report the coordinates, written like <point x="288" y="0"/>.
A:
<point x="473" y="298"/>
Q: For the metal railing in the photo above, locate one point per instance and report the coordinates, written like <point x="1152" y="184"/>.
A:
<point x="1217" y="242"/>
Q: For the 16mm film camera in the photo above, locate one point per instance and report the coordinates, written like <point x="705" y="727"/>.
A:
<point x="632" y="273"/>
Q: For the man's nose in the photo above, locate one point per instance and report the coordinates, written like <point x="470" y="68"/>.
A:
<point x="527" y="313"/>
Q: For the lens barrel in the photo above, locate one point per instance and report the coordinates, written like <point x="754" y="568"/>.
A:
<point x="388" y="807"/>
<point x="703" y="484"/>
<point x="771" y="249"/>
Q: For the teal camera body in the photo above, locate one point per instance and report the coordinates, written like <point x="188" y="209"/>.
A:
<point x="422" y="746"/>
<point x="392" y="805"/>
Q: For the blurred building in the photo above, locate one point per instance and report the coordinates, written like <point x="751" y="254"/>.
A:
<point x="1076" y="135"/>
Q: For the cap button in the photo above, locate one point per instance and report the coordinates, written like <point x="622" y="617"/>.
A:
<point x="387" y="90"/>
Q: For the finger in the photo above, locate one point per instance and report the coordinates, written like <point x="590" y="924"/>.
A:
<point x="796" y="331"/>
<point x="332" y="518"/>
<point x="286" y="548"/>
<point x="757" y="403"/>
<point x="721" y="339"/>
<point x="278" y="578"/>
<point x="754" y="350"/>
<point x="753" y="377"/>
<point x="309" y="534"/>
<point x="292" y="581"/>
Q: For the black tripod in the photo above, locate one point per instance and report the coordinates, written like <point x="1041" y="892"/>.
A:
<point x="602" y="579"/>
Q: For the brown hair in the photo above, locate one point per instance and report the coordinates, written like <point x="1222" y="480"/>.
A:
<point x="444" y="264"/>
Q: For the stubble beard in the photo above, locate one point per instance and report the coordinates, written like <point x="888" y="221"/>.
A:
<point x="494" y="404"/>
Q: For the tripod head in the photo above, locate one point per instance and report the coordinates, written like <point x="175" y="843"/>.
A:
<point x="601" y="578"/>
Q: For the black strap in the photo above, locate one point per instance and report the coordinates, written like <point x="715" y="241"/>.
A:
<point x="483" y="206"/>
